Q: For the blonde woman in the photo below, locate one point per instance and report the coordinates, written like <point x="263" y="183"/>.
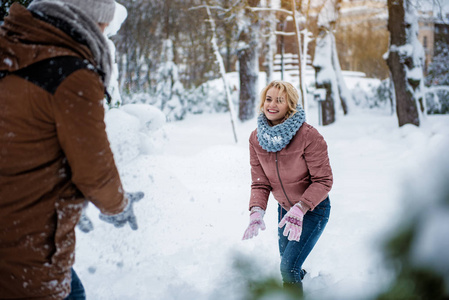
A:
<point x="289" y="158"/>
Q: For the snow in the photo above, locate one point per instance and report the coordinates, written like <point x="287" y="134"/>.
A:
<point x="8" y="62"/>
<point x="133" y="131"/>
<point x="119" y="17"/>
<point x="196" y="181"/>
<point x="195" y="209"/>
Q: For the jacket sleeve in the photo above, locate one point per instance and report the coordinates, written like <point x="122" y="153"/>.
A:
<point x="317" y="160"/>
<point x="79" y="117"/>
<point x="260" y="186"/>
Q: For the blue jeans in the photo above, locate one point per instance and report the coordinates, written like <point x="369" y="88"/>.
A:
<point x="77" y="289"/>
<point x="293" y="254"/>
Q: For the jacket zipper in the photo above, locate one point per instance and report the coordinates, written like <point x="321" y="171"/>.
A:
<point x="279" y="176"/>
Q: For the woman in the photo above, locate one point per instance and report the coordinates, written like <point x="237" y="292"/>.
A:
<point x="289" y="158"/>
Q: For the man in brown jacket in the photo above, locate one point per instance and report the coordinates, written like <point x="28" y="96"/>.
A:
<point x="54" y="152"/>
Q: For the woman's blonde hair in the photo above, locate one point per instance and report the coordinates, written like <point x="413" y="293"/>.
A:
<point x="283" y="86"/>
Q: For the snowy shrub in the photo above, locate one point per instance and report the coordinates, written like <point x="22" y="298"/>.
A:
<point x="174" y="100"/>
<point x="437" y="100"/>
<point x="361" y="96"/>
<point x="257" y="284"/>
<point x="381" y="96"/>
<point x="373" y="95"/>
<point x="210" y="97"/>
<point x="138" y="98"/>
<point x="196" y="100"/>
<point x="207" y="98"/>
<point x="438" y="72"/>
<point x="133" y="130"/>
<point x="173" y="103"/>
<point x="417" y="253"/>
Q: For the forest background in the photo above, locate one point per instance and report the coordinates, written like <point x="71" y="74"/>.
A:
<point x="165" y="51"/>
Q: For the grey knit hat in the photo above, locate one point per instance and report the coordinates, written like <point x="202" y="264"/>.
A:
<point x="101" y="11"/>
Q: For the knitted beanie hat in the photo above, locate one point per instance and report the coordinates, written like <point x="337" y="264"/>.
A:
<point x="101" y="11"/>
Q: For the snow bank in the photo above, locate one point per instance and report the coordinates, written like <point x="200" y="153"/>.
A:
<point x="133" y="130"/>
<point x="195" y="209"/>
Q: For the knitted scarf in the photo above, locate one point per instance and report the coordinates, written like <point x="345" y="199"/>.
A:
<point x="80" y="27"/>
<point x="275" y="138"/>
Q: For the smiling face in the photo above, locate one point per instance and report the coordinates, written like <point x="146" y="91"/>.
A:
<point x="275" y="106"/>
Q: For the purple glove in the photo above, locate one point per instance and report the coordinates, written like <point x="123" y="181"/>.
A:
<point x="255" y="222"/>
<point x="293" y="223"/>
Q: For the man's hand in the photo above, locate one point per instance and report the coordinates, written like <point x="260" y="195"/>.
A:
<point x="126" y="216"/>
<point x="85" y="224"/>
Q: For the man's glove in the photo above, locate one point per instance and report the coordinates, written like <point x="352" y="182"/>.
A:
<point x="85" y="224"/>
<point x="255" y="222"/>
<point x="127" y="215"/>
<point x="293" y="222"/>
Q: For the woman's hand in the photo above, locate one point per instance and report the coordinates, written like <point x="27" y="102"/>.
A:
<point x="255" y="223"/>
<point x="293" y="223"/>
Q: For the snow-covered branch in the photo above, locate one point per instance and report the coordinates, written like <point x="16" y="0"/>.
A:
<point x="284" y="33"/>
<point x="271" y="9"/>
<point x="207" y="6"/>
<point x="219" y="60"/>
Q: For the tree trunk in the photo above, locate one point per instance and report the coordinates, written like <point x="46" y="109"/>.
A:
<point x="325" y="77"/>
<point x="248" y="65"/>
<point x="248" y="60"/>
<point x="344" y="93"/>
<point x="270" y="43"/>
<point x="327" y="106"/>
<point x="406" y="107"/>
<point x="300" y="54"/>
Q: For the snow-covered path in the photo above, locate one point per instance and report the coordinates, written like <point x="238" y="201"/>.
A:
<point x="195" y="211"/>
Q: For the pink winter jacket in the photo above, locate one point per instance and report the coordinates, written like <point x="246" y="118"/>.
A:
<point x="299" y="172"/>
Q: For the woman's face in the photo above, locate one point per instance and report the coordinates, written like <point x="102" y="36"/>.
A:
<point x="275" y="107"/>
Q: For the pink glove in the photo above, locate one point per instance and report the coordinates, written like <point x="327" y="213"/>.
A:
<point x="293" y="223"/>
<point x="255" y="222"/>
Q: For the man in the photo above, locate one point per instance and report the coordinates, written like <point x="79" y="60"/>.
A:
<point x="54" y="152"/>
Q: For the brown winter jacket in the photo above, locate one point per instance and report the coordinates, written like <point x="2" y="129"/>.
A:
<point x="299" y="172"/>
<point x="54" y="154"/>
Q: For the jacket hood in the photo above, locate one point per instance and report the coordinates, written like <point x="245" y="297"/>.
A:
<point x="25" y="39"/>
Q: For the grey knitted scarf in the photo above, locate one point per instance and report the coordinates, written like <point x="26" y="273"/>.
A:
<point x="82" y="29"/>
<point x="276" y="138"/>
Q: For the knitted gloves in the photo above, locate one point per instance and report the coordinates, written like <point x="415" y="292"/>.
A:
<point x="127" y="215"/>
<point x="255" y="222"/>
<point x="85" y="224"/>
<point x="293" y="222"/>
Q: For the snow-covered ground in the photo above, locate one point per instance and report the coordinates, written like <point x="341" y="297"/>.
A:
<point x="196" y="181"/>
